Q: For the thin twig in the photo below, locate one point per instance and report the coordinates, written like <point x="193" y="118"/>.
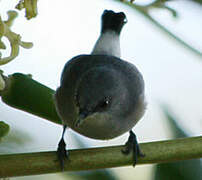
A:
<point x="144" y="11"/>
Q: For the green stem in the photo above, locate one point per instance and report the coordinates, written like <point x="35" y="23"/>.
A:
<point x="24" y="93"/>
<point x="176" y="38"/>
<point x="144" y="11"/>
<point x="97" y="158"/>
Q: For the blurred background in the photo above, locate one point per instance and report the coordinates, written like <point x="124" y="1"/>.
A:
<point x="172" y="74"/>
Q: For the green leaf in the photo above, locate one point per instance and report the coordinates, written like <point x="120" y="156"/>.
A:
<point x="92" y="175"/>
<point x="4" y="129"/>
<point x="182" y="170"/>
<point x="24" y="93"/>
<point x="176" y="130"/>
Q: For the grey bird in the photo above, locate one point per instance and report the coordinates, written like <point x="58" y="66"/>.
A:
<point x="101" y="96"/>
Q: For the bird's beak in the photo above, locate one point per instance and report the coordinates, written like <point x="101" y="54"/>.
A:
<point x="125" y="20"/>
<point x="81" y="118"/>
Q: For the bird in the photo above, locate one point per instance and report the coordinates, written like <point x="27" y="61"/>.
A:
<point x="100" y="95"/>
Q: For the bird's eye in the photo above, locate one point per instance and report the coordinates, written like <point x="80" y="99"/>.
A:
<point x="102" y="105"/>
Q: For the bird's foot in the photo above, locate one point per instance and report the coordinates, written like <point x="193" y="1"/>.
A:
<point x="132" y="145"/>
<point x="62" y="153"/>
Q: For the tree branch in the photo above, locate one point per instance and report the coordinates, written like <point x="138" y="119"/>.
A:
<point x="96" y="158"/>
<point x="144" y="11"/>
<point x="26" y="94"/>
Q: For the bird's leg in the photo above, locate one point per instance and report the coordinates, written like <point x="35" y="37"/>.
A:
<point x="132" y="145"/>
<point x="61" y="151"/>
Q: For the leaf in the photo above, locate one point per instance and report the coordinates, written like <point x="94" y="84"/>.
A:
<point x="176" y="130"/>
<point x="182" y="170"/>
<point x="4" y="129"/>
<point x="92" y="175"/>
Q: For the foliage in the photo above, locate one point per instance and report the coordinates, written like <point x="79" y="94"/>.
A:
<point x="183" y="170"/>
<point x="4" y="129"/>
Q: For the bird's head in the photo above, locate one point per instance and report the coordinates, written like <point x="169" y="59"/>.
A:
<point x="112" y="21"/>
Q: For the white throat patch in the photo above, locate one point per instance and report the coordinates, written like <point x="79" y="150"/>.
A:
<point x="108" y="43"/>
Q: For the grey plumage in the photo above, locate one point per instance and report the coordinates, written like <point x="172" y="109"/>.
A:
<point x="86" y="81"/>
<point x="101" y="96"/>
